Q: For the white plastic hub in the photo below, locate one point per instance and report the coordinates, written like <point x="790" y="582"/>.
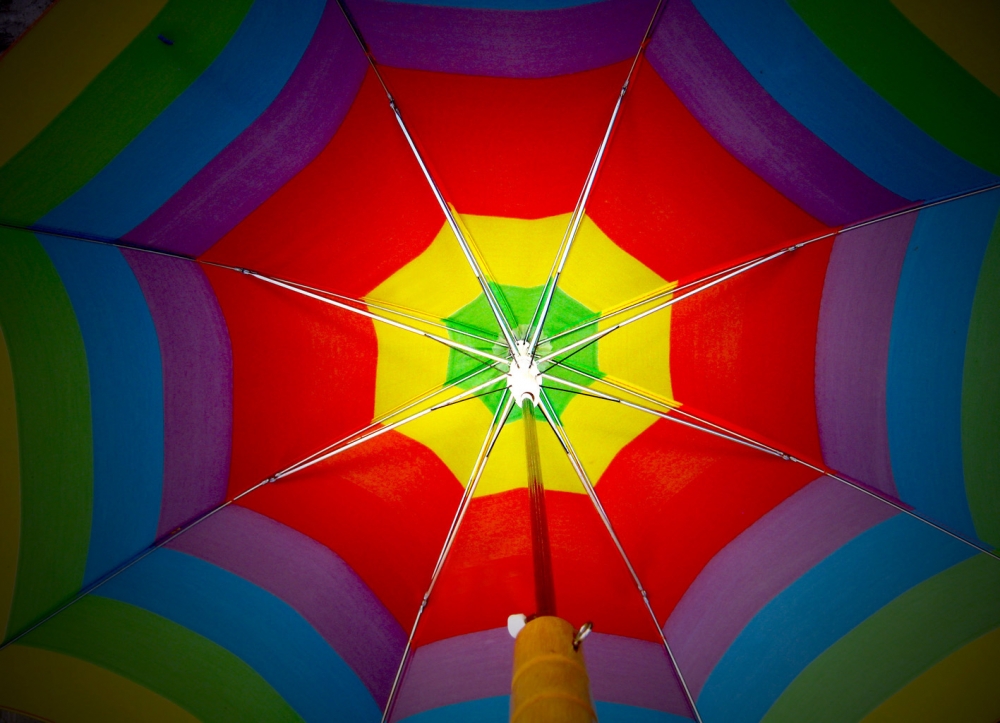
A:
<point x="524" y="380"/>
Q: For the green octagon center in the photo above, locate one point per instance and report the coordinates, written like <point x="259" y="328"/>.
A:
<point x="519" y="304"/>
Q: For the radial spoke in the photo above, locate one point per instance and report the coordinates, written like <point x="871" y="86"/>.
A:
<point x="718" y="430"/>
<point x="382" y="306"/>
<point x="393" y="413"/>
<point x="882" y="497"/>
<point x="718" y="279"/>
<point x="449" y="215"/>
<point x="578" y="467"/>
<point x="673" y="406"/>
<point x="390" y="308"/>
<point x="644" y="300"/>
<point x="611" y="382"/>
<point x="499" y="419"/>
<point x="117" y="243"/>
<point x="506" y="404"/>
<point x="352" y="441"/>
<point x="470" y="350"/>
<point x="711" y="280"/>
<point x="169" y="537"/>
<point x="576" y="219"/>
<point x="456" y="229"/>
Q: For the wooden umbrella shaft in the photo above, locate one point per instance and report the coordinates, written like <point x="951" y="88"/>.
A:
<point x="545" y="595"/>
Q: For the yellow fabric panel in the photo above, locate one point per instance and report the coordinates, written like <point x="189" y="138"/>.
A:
<point x="408" y="365"/>
<point x="516" y="251"/>
<point x="519" y="252"/>
<point x="601" y="276"/>
<point x="437" y="282"/>
<point x="454" y="433"/>
<point x="550" y="680"/>
<point x="968" y="31"/>
<point x="64" y="689"/>
<point x="962" y="688"/>
<point x="10" y="488"/>
<point x="507" y="466"/>
<point x="639" y="354"/>
<point x="50" y="66"/>
<point x="599" y="430"/>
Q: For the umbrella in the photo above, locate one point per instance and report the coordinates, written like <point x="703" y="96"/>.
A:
<point x="288" y="289"/>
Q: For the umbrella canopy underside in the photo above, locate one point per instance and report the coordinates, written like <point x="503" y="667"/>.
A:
<point x="227" y="284"/>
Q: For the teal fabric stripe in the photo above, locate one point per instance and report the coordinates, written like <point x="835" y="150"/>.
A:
<point x="126" y="392"/>
<point x="481" y="710"/>
<point x="256" y="626"/>
<point x="236" y="88"/>
<point x="812" y="84"/>
<point x="819" y="609"/>
<point x="497" y="710"/>
<point x="895" y="645"/>
<point x="930" y="325"/>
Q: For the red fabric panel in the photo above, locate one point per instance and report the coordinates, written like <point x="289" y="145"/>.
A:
<point x="671" y="196"/>
<point x="508" y="147"/>
<point x="355" y="215"/>
<point x="384" y="507"/>
<point x="677" y="496"/>
<point x="303" y="374"/>
<point x="489" y="574"/>
<point x="745" y="351"/>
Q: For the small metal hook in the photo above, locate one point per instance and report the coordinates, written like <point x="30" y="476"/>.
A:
<point x="582" y="633"/>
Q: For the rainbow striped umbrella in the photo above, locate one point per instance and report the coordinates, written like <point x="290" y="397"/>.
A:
<point x="287" y="289"/>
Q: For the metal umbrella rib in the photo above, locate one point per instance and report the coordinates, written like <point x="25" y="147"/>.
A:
<point x="581" y="473"/>
<point x="718" y="430"/>
<point x="496" y="426"/>
<point x="464" y="242"/>
<point x="689" y="289"/>
<point x="494" y="366"/>
<point x="541" y="312"/>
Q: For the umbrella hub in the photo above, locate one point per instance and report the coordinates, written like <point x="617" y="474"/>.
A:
<point x="523" y="378"/>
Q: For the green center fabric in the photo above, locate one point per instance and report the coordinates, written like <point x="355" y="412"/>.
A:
<point x="519" y="304"/>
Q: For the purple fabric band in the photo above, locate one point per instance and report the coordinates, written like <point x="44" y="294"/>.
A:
<point x="506" y="43"/>
<point x="466" y="667"/>
<point x="197" y="384"/>
<point x="852" y="349"/>
<point x="633" y="672"/>
<point x="280" y="143"/>
<point x="479" y="665"/>
<point x="310" y="578"/>
<point x="764" y="560"/>
<point x="726" y="100"/>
